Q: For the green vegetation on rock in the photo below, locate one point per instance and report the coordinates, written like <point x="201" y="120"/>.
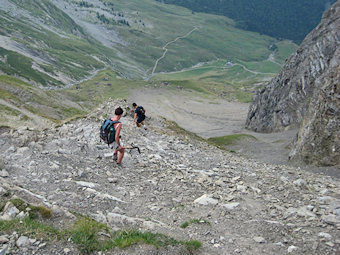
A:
<point x="90" y="235"/>
<point x="224" y="141"/>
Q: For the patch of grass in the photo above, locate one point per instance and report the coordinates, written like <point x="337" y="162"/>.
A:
<point x="4" y="94"/>
<point x="34" y="211"/>
<point x="44" y="211"/>
<point x="125" y="239"/>
<point x="197" y="221"/>
<point x="22" y="66"/>
<point x="90" y="235"/>
<point x="182" y="132"/>
<point x="223" y="141"/>
<point x="8" y="110"/>
<point x="33" y="228"/>
<point x="106" y="84"/>
<point x="85" y="234"/>
<point x="2" y="205"/>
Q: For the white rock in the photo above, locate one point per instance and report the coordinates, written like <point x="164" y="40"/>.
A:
<point x="115" y="218"/>
<point x="206" y="200"/>
<point x="108" y="155"/>
<point x="9" y="212"/>
<point x="23" y="241"/>
<point x="230" y="206"/>
<point x="325" y="199"/>
<point x="325" y="235"/>
<point x="4" y="173"/>
<point x="304" y="212"/>
<point x="86" y="184"/>
<point x="4" y="239"/>
<point x="259" y="239"/>
<point x="330" y="244"/>
<point x="337" y="211"/>
<point x="300" y="182"/>
<point x="331" y="219"/>
<point x="22" y="215"/>
<point x="2" y="191"/>
<point x="67" y="250"/>
<point x="284" y="179"/>
<point x="241" y="188"/>
<point x="292" y="248"/>
<point x="112" y="180"/>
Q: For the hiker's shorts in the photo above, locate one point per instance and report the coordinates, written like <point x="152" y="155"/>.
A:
<point x="140" y="118"/>
<point x="115" y="145"/>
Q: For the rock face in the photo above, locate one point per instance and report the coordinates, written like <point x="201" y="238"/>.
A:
<point x="306" y="94"/>
<point x="284" y="102"/>
<point x="318" y="140"/>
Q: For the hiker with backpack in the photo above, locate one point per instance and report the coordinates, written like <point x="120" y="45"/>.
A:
<point x="139" y="116"/>
<point x="110" y="132"/>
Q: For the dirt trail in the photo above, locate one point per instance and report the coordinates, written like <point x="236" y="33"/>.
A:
<point x="166" y="50"/>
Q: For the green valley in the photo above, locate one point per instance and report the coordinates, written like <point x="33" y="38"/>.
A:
<point x="92" y="51"/>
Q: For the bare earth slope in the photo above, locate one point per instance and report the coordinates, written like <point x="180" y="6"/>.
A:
<point x="252" y="207"/>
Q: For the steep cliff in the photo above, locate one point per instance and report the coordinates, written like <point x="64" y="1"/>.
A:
<point x="306" y="94"/>
<point x="284" y="102"/>
<point x="318" y="140"/>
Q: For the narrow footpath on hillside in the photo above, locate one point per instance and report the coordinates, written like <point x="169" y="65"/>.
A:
<point x="165" y="49"/>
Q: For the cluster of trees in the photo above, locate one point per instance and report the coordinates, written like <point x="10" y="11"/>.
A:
<point x="106" y="20"/>
<point x="289" y="19"/>
<point x="85" y="4"/>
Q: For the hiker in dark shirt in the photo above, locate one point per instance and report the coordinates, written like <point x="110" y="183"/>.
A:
<point x="118" y="153"/>
<point x="139" y="116"/>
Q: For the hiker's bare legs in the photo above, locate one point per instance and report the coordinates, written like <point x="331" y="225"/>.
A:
<point x="140" y="124"/>
<point x="120" y="155"/>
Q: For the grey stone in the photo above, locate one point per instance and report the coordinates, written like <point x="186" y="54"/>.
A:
<point x="4" y="239"/>
<point x="9" y="212"/>
<point x="259" y="239"/>
<point x="23" y="241"/>
<point x="325" y="199"/>
<point x="331" y="219"/>
<point x="325" y="235"/>
<point x="292" y="248"/>
<point x="67" y="250"/>
<point x="304" y="212"/>
<point x="4" y="173"/>
<point x="230" y="206"/>
<point x="206" y="200"/>
<point x="300" y="182"/>
<point x="2" y="191"/>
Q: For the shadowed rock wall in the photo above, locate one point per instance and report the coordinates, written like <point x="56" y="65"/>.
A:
<point x="284" y="102"/>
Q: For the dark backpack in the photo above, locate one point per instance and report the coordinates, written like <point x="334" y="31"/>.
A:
<point x="140" y="111"/>
<point x="107" y="131"/>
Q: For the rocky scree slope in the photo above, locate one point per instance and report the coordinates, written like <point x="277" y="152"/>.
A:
<point x="306" y="93"/>
<point x="249" y="207"/>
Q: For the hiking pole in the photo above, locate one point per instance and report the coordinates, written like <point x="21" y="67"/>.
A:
<point x="132" y="148"/>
